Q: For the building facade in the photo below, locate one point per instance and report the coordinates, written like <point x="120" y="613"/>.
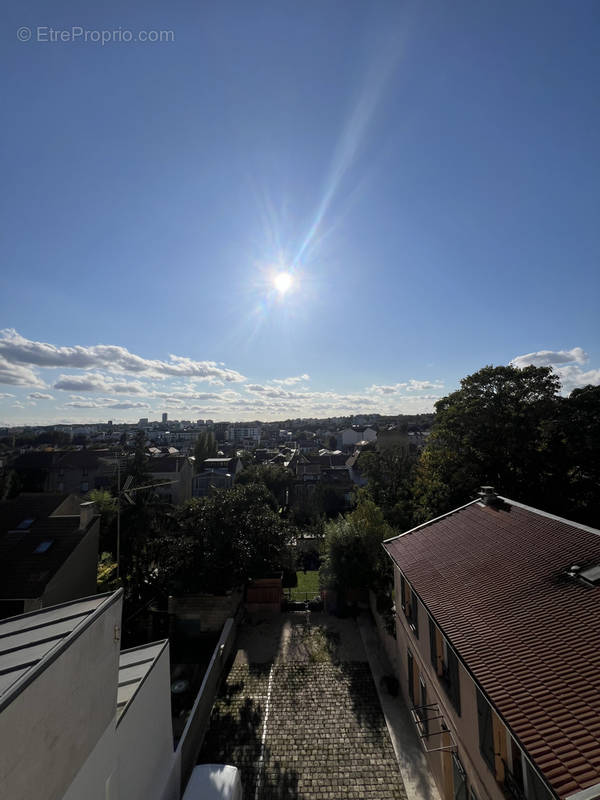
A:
<point x="498" y="642"/>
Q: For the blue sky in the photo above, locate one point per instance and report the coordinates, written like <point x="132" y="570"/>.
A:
<point x="427" y="172"/>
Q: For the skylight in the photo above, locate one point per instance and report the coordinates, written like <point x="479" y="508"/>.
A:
<point x="591" y="575"/>
<point x="44" y="546"/>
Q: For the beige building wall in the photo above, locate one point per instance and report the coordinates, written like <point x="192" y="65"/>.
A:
<point x="463" y="728"/>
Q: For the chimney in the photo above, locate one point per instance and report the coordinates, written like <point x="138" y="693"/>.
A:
<point x="87" y="510"/>
<point x="488" y="496"/>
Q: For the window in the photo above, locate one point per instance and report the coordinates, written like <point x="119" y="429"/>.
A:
<point x="513" y="778"/>
<point x="536" y="790"/>
<point x="411" y="676"/>
<point x="450" y="676"/>
<point x="493" y="744"/>
<point x="436" y="647"/>
<point x="444" y="659"/>
<point x="410" y="605"/>
<point x="423" y="713"/>
<point x="486" y="732"/>
<point x="459" y="779"/>
<point x="43" y="547"/>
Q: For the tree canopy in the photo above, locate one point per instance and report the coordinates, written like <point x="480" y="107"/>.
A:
<point x="353" y="555"/>
<point x="220" y="541"/>
<point x="510" y="428"/>
<point x="277" y="479"/>
<point x="205" y="447"/>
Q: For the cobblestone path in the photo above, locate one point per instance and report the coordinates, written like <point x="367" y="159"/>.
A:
<point x="326" y="736"/>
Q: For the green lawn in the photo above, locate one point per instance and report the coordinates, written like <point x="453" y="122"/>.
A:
<point x="308" y="582"/>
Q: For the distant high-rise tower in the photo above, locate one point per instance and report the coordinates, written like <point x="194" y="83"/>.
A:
<point x="164" y="418"/>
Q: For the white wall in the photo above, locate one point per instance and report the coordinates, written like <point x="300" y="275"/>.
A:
<point x="49" y="729"/>
<point x="145" y="737"/>
<point x="99" y="770"/>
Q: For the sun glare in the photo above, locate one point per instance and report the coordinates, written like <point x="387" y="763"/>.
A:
<point x="283" y="282"/>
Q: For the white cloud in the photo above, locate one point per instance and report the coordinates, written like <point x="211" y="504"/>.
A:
<point x="17" y="350"/>
<point x="95" y="382"/>
<point x="101" y="402"/>
<point x="567" y="364"/>
<point x="411" y="385"/>
<point x="18" y="375"/>
<point x="5" y="395"/>
<point x="572" y="377"/>
<point x="39" y="396"/>
<point x="548" y="358"/>
<point x="291" y="381"/>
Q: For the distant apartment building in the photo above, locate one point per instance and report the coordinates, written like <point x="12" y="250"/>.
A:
<point x="242" y="434"/>
<point x="77" y="471"/>
<point x="348" y="437"/>
<point x="175" y="472"/>
<point x="498" y="647"/>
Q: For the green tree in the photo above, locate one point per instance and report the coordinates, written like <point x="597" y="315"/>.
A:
<point x="106" y="506"/>
<point x="205" y="447"/>
<point x="353" y="557"/>
<point x="390" y="474"/>
<point x="277" y="479"/>
<point x="220" y="541"/>
<point x="497" y="429"/>
<point x="137" y="465"/>
<point x="580" y="431"/>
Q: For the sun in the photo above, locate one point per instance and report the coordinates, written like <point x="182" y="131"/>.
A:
<point x="283" y="282"/>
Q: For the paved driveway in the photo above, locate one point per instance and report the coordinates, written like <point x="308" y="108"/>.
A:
<point x="299" y="714"/>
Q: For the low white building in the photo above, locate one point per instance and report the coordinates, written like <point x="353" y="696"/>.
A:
<point x="79" y="718"/>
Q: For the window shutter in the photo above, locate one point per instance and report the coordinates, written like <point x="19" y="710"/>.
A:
<point x="459" y="779"/>
<point x="536" y="789"/>
<point x="453" y="679"/>
<point x="411" y="676"/>
<point x="433" y="643"/>
<point x="424" y="717"/>
<point x="486" y="734"/>
<point x="415" y="613"/>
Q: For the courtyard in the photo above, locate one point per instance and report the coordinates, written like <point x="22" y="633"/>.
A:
<point x="300" y="716"/>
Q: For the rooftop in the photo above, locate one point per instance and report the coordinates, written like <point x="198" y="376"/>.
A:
<point x="35" y="542"/>
<point x="495" y="580"/>
<point x="29" y="642"/>
<point x="134" y="666"/>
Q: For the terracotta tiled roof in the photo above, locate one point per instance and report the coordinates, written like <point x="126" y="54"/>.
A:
<point x="495" y="581"/>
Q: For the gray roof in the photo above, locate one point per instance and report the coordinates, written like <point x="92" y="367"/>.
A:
<point x="134" y="666"/>
<point x="30" y="642"/>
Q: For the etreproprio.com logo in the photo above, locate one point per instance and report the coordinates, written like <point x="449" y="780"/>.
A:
<point x="77" y="34"/>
